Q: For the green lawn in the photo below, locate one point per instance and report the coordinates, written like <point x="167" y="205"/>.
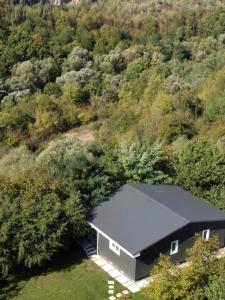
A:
<point x="71" y="276"/>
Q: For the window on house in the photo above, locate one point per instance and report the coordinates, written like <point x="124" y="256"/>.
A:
<point x="114" y="247"/>
<point x="174" y="247"/>
<point x="205" y="234"/>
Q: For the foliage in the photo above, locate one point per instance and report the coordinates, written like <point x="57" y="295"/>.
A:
<point x="174" y="125"/>
<point x="35" y="218"/>
<point x="76" y="60"/>
<point x="77" y="167"/>
<point x="216" y="288"/>
<point x="172" y="282"/>
<point x="200" y="167"/>
<point x="216" y="196"/>
<point x="144" y="163"/>
<point x="148" y="78"/>
<point x="75" y="94"/>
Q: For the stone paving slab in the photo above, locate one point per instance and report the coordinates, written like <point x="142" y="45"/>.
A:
<point x="94" y="257"/>
<point x="100" y="262"/>
<point x="114" y="273"/>
<point x="107" y="267"/>
<point x="129" y="283"/>
<point x="111" y="287"/>
<point x="122" y="279"/>
<point x="142" y="283"/>
<point x="125" y="292"/>
<point x="134" y="288"/>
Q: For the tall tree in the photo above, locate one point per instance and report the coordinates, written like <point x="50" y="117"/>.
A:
<point x="200" y="166"/>
<point x="143" y="162"/>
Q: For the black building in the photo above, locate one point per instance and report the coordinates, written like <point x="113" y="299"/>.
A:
<point x="140" y="221"/>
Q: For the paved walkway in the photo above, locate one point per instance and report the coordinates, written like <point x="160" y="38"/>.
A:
<point x="133" y="286"/>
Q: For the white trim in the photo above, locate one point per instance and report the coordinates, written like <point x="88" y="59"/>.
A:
<point x="114" y="247"/>
<point x="207" y="232"/>
<point x="106" y="236"/>
<point x="176" y="247"/>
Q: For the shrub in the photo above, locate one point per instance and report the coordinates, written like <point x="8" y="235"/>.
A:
<point x="76" y="60"/>
<point x="174" y="125"/>
<point x="143" y="163"/>
<point x="200" y="166"/>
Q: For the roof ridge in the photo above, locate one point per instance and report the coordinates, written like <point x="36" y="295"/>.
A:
<point x="159" y="203"/>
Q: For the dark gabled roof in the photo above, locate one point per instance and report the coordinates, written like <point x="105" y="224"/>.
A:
<point x="181" y="202"/>
<point x="139" y="215"/>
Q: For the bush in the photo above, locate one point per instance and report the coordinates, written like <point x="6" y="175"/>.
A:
<point x="76" y="60"/>
<point x="200" y="166"/>
<point x="76" y="95"/>
<point x="216" y="288"/>
<point x="52" y="88"/>
<point x="172" y="282"/>
<point x="174" y="125"/>
<point x="143" y="163"/>
<point x="113" y="63"/>
<point x="35" y="219"/>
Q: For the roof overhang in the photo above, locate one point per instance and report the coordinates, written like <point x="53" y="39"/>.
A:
<point x="110" y="239"/>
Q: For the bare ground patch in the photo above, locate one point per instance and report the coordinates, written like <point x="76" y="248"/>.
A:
<point x="82" y="133"/>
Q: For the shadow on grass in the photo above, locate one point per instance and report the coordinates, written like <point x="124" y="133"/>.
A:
<point x="63" y="260"/>
<point x="9" y="288"/>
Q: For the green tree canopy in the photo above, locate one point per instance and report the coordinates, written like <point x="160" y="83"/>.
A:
<point x="170" y="282"/>
<point x="35" y="218"/>
<point x="144" y="163"/>
<point x="200" y="166"/>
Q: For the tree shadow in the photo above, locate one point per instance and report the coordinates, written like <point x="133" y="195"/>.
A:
<point x="9" y="288"/>
<point x="62" y="261"/>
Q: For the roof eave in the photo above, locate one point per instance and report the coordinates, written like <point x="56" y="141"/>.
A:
<point x="135" y="255"/>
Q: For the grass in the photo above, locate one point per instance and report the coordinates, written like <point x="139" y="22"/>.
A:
<point x="70" y="276"/>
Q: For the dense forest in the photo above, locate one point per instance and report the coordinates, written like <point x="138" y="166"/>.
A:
<point x="147" y="80"/>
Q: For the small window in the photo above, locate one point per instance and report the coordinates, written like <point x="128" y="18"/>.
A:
<point x="206" y="234"/>
<point x="114" y="247"/>
<point x="174" y="247"/>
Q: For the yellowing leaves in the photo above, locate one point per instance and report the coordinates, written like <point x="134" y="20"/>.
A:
<point x="214" y="87"/>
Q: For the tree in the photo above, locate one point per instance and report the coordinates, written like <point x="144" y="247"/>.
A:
<point x="78" y="166"/>
<point x="144" y="163"/>
<point x="170" y="282"/>
<point x="136" y="67"/>
<point x="52" y="89"/>
<point x="47" y="117"/>
<point x="109" y="37"/>
<point x="36" y="218"/>
<point x="110" y="87"/>
<point x="32" y="75"/>
<point x="212" y="23"/>
<point x="216" y="196"/>
<point x="17" y="159"/>
<point x="216" y="287"/>
<point x="76" y="60"/>
<point x="203" y="262"/>
<point x="165" y="281"/>
<point x="112" y="63"/>
<point x="82" y="77"/>
<point x="174" y="125"/>
<point x="200" y="166"/>
<point x="75" y="94"/>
